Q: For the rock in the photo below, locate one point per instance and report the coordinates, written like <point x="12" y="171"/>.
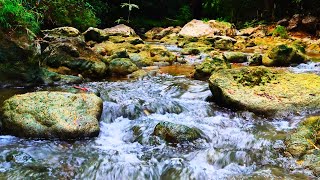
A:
<point x="210" y="65"/>
<point x="196" y="28"/>
<point x="190" y="51"/>
<point x="235" y="57"/>
<point x="283" y="55"/>
<point x="61" y="32"/>
<point x="120" y="30"/>
<point x="74" y="54"/>
<point x="164" y="32"/>
<point x="19" y="61"/>
<point x="20" y="158"/>
<point x="122" y="66"/>
<point x="52" y="115"/>
<point x="310" y="23"/>
<point x="53" y="78"/>
<point x="265" y="91"/>
<point x="224" y="28"/>
<point x="255" y="59"/>
<point x="301" y="143"/>
<point x="252" y="31"/>
<point x="152" y="32"/>
<point x="95" y="34"/>
<point x="224" y="42"/>
<point x="176" y="133"/>
<point x="283" y="22"/>
<point x="294" y="22"/>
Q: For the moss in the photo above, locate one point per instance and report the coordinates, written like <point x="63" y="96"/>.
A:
<point x="265" y="91"/>
<point x="209" y="65"/>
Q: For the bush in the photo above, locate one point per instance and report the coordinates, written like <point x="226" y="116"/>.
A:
<point x="280" y="31"/>
<point x="76" y="13"/>
<point x="14" y="16"/>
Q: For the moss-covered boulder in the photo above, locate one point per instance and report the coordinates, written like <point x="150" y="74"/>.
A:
<point x="223" y="42"/>
<point x="176" y="133"/>
<point x="122" y="66"/>
<point x="235" y="57"/>
<point x="210" y="65"/>
<point x="75" y="55"/>
<point x="95" y="34"/>
<point x="304" y="143"/>
<point x="283" y="55"/>
<point x="255" y="59"/>
<point x="18" y="57"/>
<point x="52" y="115"/>
<point x="265" y="90"/>
<point x="61" y="32"/>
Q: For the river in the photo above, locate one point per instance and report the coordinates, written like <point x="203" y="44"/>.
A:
<point x="238" y="145"/>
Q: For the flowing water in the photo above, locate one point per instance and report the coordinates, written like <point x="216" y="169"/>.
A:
<point x="237" y="145"/>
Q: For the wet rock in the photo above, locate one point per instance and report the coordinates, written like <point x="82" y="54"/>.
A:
<point x="19" y="157"/>
<point x="74" y="54"/>
<point x="95" y="34"/>
<point x="265" y="91"/>
<point x="176" y="133"/>
<point x="52" y="115"/>
<point x="255" y="59"/>
<point x="283" y="55"/>
<point x="235" y="57"/>
<point x="159" y="33"/>
<point x="122" y="66"/>
<point x="303" y="143"/>
<point x="196" y="28"/>
<point x="209" y="65"/>
<point x="152" y="32"/>
<point x="294" y="22"/>
<point x="61" y="32"/>
<point x="53" y="78"/>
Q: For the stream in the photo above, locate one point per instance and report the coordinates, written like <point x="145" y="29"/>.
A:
<point x="238" y="145"/>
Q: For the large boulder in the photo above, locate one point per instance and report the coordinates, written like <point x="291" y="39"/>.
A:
<point x="303" y="143"/>
<point x="210" y="65"/>
<point x="196" y="28"/>
<point x="265" y="91"/>
<point x="73" y="56"/>
<point x="52" y="115"/>
<point x="95" y="34"/>
<point x="176" y="133"/>
<point x="283" y="55"/>
<point x="120" y="30"/>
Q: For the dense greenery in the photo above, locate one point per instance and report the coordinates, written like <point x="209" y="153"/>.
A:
<point x="140" y="13"/>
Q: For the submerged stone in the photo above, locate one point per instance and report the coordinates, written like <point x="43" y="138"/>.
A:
<point x="265" y="90"/>
<point x="52" y="115"/>
<point x="176" y="133"/>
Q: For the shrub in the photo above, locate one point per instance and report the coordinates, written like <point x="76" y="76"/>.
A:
<point x="76" y="13"/>
<point x="14" y="16"/>
<point x="280" y="31"/>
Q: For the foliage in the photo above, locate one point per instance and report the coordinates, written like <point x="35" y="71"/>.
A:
<point x="280" y="31"/>
<point x="130" y="7"/>
<point x="76" y="13"/>
<point x="13" y="15"/>
<point x="184" y="14"/>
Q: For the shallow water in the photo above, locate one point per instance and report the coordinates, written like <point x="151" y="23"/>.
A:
<point x="239" y="145"/>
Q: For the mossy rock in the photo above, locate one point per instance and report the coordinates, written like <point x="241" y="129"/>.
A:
<point x="190" y="51"/>
<point x="235" y="57"/>
<point x="210" y="65"/>
<point x="52" y="115"/>
<point x="255" y="59"/>
<point x="303" y="143"/>
<point x="283" y="55"/>
<point x="122" y="66"/>
<point x="265" y="91"/>
<point x="176" y="133"/>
